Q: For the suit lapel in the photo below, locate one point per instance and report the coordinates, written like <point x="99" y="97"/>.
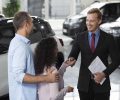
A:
<point x="100" y="41"/>
<point x="87" y="43"/>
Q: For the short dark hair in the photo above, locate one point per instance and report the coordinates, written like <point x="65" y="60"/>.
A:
<point x="20" y="18"/>
<point x="97" y="11"/>
<point x="45" y="54"/>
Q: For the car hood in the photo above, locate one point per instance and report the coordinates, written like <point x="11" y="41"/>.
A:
<point x="76" y="16"/>
<point x="110" y="25"/>
<point x="111" y="28"/>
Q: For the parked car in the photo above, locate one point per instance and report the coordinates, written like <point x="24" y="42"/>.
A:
<point x="113" y="28"/>
<point x="2" y="16"/>
<point x="76" y="24"/>
<point x="41" y="29"/>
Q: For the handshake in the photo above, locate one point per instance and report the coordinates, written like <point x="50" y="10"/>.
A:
<point x="70" y="61"/>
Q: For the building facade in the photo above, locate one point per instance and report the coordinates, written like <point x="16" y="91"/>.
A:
<point x="55" y="8"/>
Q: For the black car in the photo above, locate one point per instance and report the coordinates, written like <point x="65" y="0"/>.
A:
<point x="77" y="24"/>
<point x="41" y="29"/>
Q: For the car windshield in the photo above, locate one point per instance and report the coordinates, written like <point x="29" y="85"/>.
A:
<point x="118" y="19"/>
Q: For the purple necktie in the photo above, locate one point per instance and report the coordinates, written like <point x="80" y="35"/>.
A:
<point x="93" y="42"/>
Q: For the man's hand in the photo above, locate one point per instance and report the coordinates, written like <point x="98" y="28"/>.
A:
<point x="52" y="77"/>
<point x="99" y="76"/>
<point x="71" y="61"/>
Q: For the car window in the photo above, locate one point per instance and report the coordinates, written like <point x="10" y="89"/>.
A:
<point x="6" y="35"/>
<point x="45" y="29"/>
<point x="111" y="12"/>
<point x="41" y="29"/>
<point x="35" y="35"/>
<point x="48" y="29"/>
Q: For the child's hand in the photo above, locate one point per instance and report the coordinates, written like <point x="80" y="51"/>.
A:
<point x="70" y="89"/>
<point x="71" y="61"/>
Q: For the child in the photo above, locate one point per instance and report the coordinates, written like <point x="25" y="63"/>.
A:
<point x="45" y="57"/>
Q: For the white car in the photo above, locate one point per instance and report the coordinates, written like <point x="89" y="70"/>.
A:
<point x="41" y="29"/>
<point x="112" y="27"/>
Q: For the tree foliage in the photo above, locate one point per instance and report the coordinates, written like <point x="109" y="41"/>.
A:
<point x="11" y="8"/>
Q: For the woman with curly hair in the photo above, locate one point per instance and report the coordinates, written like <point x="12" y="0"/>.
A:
<point x="45" y="57"/>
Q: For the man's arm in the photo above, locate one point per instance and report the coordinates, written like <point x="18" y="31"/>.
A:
<point x="19" y="67"/>
<point x="75" y="49"/>
<point x="51" y="77"/>
<point x="114" y="55"/>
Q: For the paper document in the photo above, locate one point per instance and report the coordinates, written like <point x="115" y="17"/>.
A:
<point x="97" y="66"/>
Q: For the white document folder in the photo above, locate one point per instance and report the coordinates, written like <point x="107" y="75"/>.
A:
<point x="97" y="66"/>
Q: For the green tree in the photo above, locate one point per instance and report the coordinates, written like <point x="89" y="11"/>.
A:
<point x="11" y="8"/>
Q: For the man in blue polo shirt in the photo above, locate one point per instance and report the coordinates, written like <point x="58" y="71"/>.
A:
<point x="21" y="74"/>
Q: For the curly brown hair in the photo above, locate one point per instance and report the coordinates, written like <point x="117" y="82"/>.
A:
<point x="45" y="54"/>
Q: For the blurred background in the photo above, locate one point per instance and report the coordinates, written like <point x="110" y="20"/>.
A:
<point x="65" y="17"/>
<point x="45" y="8"/>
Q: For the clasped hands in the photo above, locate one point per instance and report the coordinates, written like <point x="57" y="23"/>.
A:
<point x="70" y="61"/>
<point x="50" y="77"/>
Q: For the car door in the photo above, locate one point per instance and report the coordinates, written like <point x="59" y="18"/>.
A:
<point x="6" y="34"/>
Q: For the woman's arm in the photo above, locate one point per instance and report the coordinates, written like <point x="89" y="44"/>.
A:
<point x="65" y="65"/>
<point x="55" y="94"/>
<point x="62" y="69"/>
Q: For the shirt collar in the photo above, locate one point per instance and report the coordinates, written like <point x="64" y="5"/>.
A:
<point x="97" y="33"/>
<point x="24" y="39"/>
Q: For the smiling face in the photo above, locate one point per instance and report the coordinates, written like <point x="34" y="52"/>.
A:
<point x="92" y="22"/>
